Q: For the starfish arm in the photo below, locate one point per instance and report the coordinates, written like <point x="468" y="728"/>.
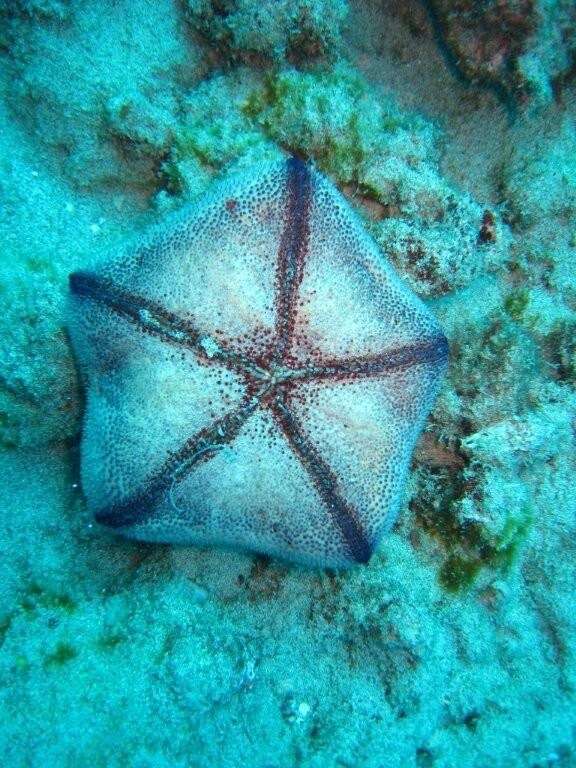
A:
<point x="344" y="516"/>
<point x="433" y="352"/>
<point x="291" y="253"/>
<point x="201" y="447"/>
<point x="153" y="319"/>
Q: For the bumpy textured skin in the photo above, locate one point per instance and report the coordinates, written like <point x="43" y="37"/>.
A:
<point x="257" y="375"/>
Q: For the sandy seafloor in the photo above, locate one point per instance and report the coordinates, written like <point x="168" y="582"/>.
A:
<point x="456" y="645"/>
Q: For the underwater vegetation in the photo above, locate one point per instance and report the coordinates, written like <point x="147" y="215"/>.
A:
<point x="455" y="644"/>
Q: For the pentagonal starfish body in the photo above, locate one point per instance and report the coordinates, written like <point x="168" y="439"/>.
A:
<point x="257" y="375"/>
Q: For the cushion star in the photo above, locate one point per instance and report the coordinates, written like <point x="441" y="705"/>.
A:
<point x="257" y="375"/>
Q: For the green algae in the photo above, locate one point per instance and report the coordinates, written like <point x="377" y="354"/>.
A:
<point x="515" y="304"/>
<point x="110" y="642"/>
<point x="5" y="624"/>
<point x="213" y="134"/>
<point x="21" y="663"/>
<point x="460" y="570"/>
<point x="468" y="548"/>
<point x="330" y="115"/>
<point x="62" y="654"/>
<point x="35" y="597"/>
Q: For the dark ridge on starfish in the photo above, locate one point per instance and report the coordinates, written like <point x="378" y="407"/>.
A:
<point x="292" y="251"/>
<point x="147" y="315"/>
<point x="431" y="352"/>
<point x="153" y="319"/>
<point x="325" y="482"/>
<point x="202" y="446"/>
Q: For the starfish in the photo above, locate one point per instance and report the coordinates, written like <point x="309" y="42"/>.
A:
<point x="257" y="375"/>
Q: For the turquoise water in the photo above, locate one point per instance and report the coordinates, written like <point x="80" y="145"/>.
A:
<point x="449" y="130"/>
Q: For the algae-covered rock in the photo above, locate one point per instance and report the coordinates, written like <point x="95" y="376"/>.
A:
<point x="483" y="516"/>
<point x="45" y="232"/>
<point x="520" y="47"/>
<point x="214" y="135"/>
<point x="39" y="395"/>
<point x="301" y="29"/>
<point x="334" y="116"/>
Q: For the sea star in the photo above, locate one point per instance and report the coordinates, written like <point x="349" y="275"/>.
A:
<point x="257" y="375"/>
